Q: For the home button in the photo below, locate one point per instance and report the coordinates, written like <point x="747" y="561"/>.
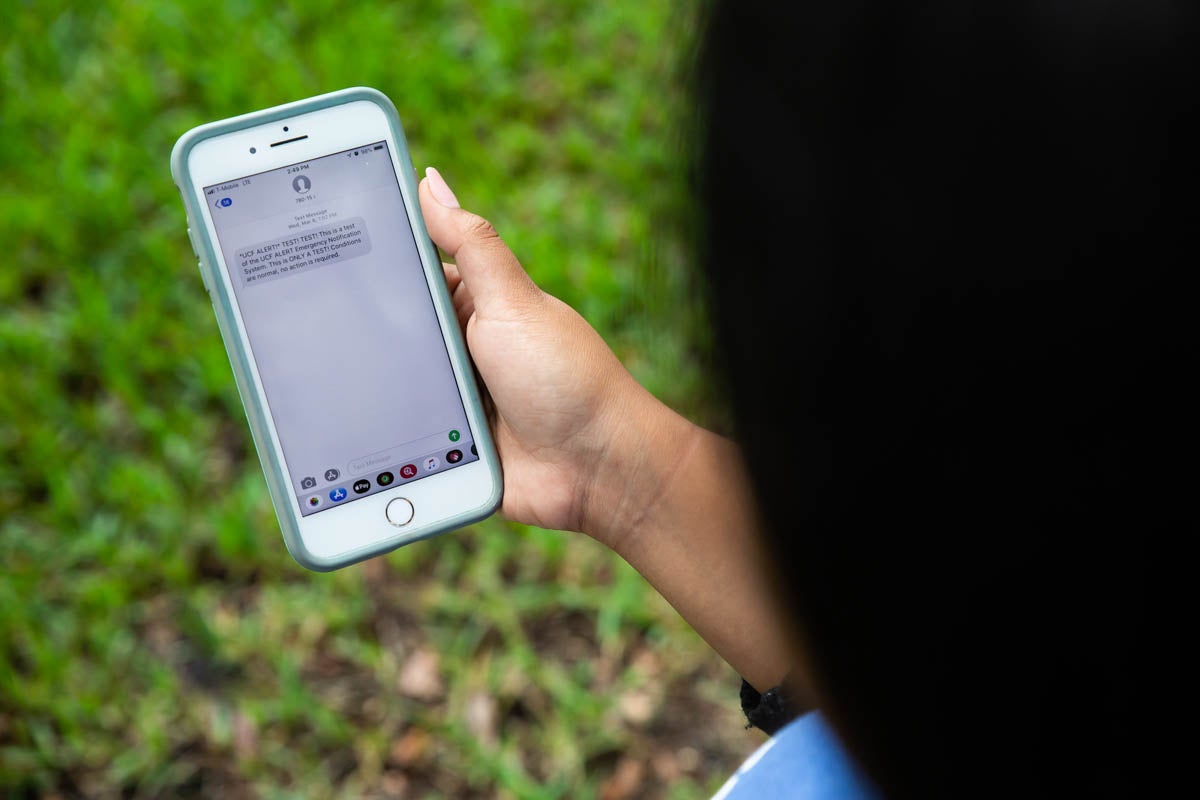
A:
<point x="399" y="512"/>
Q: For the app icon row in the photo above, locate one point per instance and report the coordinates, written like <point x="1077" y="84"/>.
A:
<point x="332" y="474"/>
<point x="309" y="482"/>
<point x="363" y="485"/>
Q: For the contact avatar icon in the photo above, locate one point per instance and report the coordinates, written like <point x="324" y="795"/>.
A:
<point x="301" y="184"/>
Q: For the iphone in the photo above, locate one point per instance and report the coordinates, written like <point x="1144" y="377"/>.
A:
<point x="346" y="351"/>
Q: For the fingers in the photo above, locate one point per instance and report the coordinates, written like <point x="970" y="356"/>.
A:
<point x="453" y="278"/>
<point x="487" y="267"/>
<point x="464" y="305"/>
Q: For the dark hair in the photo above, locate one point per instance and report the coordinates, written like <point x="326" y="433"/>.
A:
<point x="940" y="251"/>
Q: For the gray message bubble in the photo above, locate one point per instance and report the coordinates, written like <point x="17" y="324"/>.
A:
<point x="318" y="247"/>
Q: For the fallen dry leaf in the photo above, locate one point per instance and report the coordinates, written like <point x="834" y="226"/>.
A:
<point x="689" y="758"/>
<point x="419" y="678"/>
<point x="636" y="707"/>
<point x="408" y="749"/>
<point x="666" y="766"/>
<point x="625" y="780"/>
<point x="481" y="716"/>
<point x="394" y="784"/>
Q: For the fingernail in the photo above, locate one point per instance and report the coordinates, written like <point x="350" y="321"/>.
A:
<point x="440" y="190"/>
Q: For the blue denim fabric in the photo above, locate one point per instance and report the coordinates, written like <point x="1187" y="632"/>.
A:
<point x="804" y="761"/>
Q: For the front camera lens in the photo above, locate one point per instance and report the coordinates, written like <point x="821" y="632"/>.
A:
<point x="253" y="150"/>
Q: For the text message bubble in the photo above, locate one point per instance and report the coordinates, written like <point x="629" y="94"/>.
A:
<point x="302" y="252"/>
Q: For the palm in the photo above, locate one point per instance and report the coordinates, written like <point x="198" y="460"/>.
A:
<point x="547" y="372"/>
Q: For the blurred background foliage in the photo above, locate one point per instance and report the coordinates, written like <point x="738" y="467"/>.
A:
<point x="155" y="638"/>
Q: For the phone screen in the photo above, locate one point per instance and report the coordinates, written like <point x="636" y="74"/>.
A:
<point x="341" y="322"/>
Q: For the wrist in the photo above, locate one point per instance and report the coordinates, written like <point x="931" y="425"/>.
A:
<point x="646" y="445"/>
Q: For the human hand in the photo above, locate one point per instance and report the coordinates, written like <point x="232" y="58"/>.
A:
<point x="586" y="448"/>
<point x="574" y="430"/>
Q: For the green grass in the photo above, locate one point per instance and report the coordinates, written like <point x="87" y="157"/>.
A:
<point x="155" y="637"/>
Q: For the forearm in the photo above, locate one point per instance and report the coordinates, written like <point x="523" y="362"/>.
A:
<point x="677" y="507"/>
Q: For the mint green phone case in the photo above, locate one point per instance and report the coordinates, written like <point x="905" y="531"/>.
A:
<point x="255" y="403"/>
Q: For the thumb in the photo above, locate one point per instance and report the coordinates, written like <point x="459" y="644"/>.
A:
<point x="489" y="270"/>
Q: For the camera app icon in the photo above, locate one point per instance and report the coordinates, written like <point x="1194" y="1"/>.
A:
<point x="308" y="482"/>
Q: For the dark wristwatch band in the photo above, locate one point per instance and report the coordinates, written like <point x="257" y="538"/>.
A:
<point x="772" y="709"/>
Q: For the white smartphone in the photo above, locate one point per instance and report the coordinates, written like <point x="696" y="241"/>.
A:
<point x="330" y="297"/>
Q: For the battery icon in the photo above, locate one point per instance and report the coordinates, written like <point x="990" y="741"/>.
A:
<point x="378" y="147"/>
